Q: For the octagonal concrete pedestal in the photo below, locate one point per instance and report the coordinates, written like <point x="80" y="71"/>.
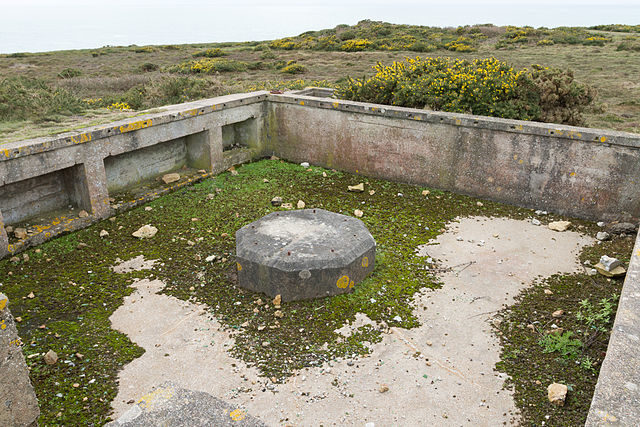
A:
<point x="304" y="254"/>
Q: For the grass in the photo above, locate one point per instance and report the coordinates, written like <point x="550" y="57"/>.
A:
<point x="113" y="72"/>
<point x="76" y="291"/>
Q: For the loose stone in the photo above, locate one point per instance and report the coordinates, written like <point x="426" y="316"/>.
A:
<point x="356" y="188"/>
<point x="557" y="313"/>
<point x="170" y="177"/>
<point x="83" y="214"/>
<point x="20" y="233"/>
<point x="276" y="201"/>
<point x="301" y="204"/>
<point x="559" y="225"/>
<point x="50" y="358"/>
<point x="145" y="232"/>
<point x="557" y="394"/>
<point x="104" y="233"/>
<point x="602" y="236"/>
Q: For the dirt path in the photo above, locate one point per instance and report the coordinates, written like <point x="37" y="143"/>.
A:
<point x="440" y="373"/>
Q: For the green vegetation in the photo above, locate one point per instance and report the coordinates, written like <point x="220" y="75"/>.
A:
<point x="210" y="53"/>
<point x="113" y="73"/>
<point x="72" y="304"/>
<point x="22" y="98"/>
<point x="539" y="349"/>
<point x="485" y="87"/>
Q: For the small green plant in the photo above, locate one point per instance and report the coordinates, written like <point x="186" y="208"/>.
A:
<point x="69" y="73"/>
<point x="597" y="316"/>
<point x="561" y="343"/>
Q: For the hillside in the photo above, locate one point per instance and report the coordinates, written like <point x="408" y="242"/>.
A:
<point x="80" y="87"/>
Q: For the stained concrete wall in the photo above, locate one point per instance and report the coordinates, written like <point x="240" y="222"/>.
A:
<point x="580" y="172"/>
<point x="41" y="175"/>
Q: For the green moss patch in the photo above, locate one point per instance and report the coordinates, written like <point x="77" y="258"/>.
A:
<point x="535" y="357"/>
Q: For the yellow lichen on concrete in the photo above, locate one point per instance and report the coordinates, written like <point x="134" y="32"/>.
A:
<point x="136" y="126"/>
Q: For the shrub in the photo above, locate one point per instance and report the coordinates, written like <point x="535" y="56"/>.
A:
<point x="561" y="99"/>
<point x="461" y="44"/>
<point x="148" y="67"/>
<point x="632" y="45"/>
<point x="545" y="42"/>
<point x="283" y="44"/>
<point x="294" y="68"/>
<point x="69" y="73"/>
<point x="483" y="86"/>
<point x="209" y="66"/>
<point x="356" y="45"/>
<point x="267" y="54"/>
<point x="23" y="98"/>
<point x="142" y="49"/>
<point x="210" y="53"/>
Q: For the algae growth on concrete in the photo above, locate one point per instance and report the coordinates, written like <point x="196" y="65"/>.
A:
<point x="65" y="290"/>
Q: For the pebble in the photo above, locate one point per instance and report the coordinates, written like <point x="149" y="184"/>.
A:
<point x="557" y="394"/>
<point x="83" y="214"/>
<point x="170" y="177"/>
<point x="358" y="213"/>
<point x="304" y="164"/>
<point x="383" y="388"/>
<point x="557" y="313"/>
<point x="356" y="188"/>
<point x="145" y="232"/>
<point x="301" y="204"/>
<point x="559" y="225"/>
<point x="148" y="208"/>
<point x="602" y="236"/>
<point x="104" y="233"/>
<point x="276" y="201"/>
<point x="535" y="221"/>
<point x="50" y="358"/>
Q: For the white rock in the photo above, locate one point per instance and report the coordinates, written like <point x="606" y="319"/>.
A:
<point x="301" y="204"/>
<point x="602" y="236"/>
<point x="534" y="221"/>
<point x="559" y="225"/>
<point x="609" y="263"/>
<point x="148" y="208"/>
<point x="145" y="232"/>
<point x="358" y="213"/>
<point x="210" y="258"/>
<point x="356" y="188"/>
<point x="600" y="223"/>
<point x="557" y="393"/>
<point x="170" y="177"/>
<point x="104" y="233"/>
<point x="398" y="319"/>
<point x="304" y="164"/>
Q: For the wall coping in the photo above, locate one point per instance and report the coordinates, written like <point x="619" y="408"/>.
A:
<point x="592" y="135"/>
<point x="170" y="113"/>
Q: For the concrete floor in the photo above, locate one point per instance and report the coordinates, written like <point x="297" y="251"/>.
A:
<point x="451" y="382"/>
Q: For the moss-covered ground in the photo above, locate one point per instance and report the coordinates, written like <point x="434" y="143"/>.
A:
<point x="75" y="291"/>
<point x="536" y="354"/>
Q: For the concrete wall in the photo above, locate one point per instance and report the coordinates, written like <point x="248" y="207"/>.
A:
<point x="575" y="171"/>
<point x="588" y="173"/>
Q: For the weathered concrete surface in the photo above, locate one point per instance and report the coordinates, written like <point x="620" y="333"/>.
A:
<point x="18" y="403"/>
<point x="184" y="345"/>
<point x="616" y="400"/>
<point x="169" y="405"/>
<point x="581" y="172"/>
<point x="42" y="175"/>
<point x="304" y="254"/>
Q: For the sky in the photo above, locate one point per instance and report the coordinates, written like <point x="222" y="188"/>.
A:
<point x="45" y="25"/>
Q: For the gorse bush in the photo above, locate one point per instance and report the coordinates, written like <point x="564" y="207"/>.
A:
<point x="208" y="66"/>
<point x="210" y="53"/>
<point x="23" y="98"/>
<point x="486" y="87"/>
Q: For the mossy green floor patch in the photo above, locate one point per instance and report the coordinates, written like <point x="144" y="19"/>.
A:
<point x="535" y="353"/>
<point x="76" y="291"/>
